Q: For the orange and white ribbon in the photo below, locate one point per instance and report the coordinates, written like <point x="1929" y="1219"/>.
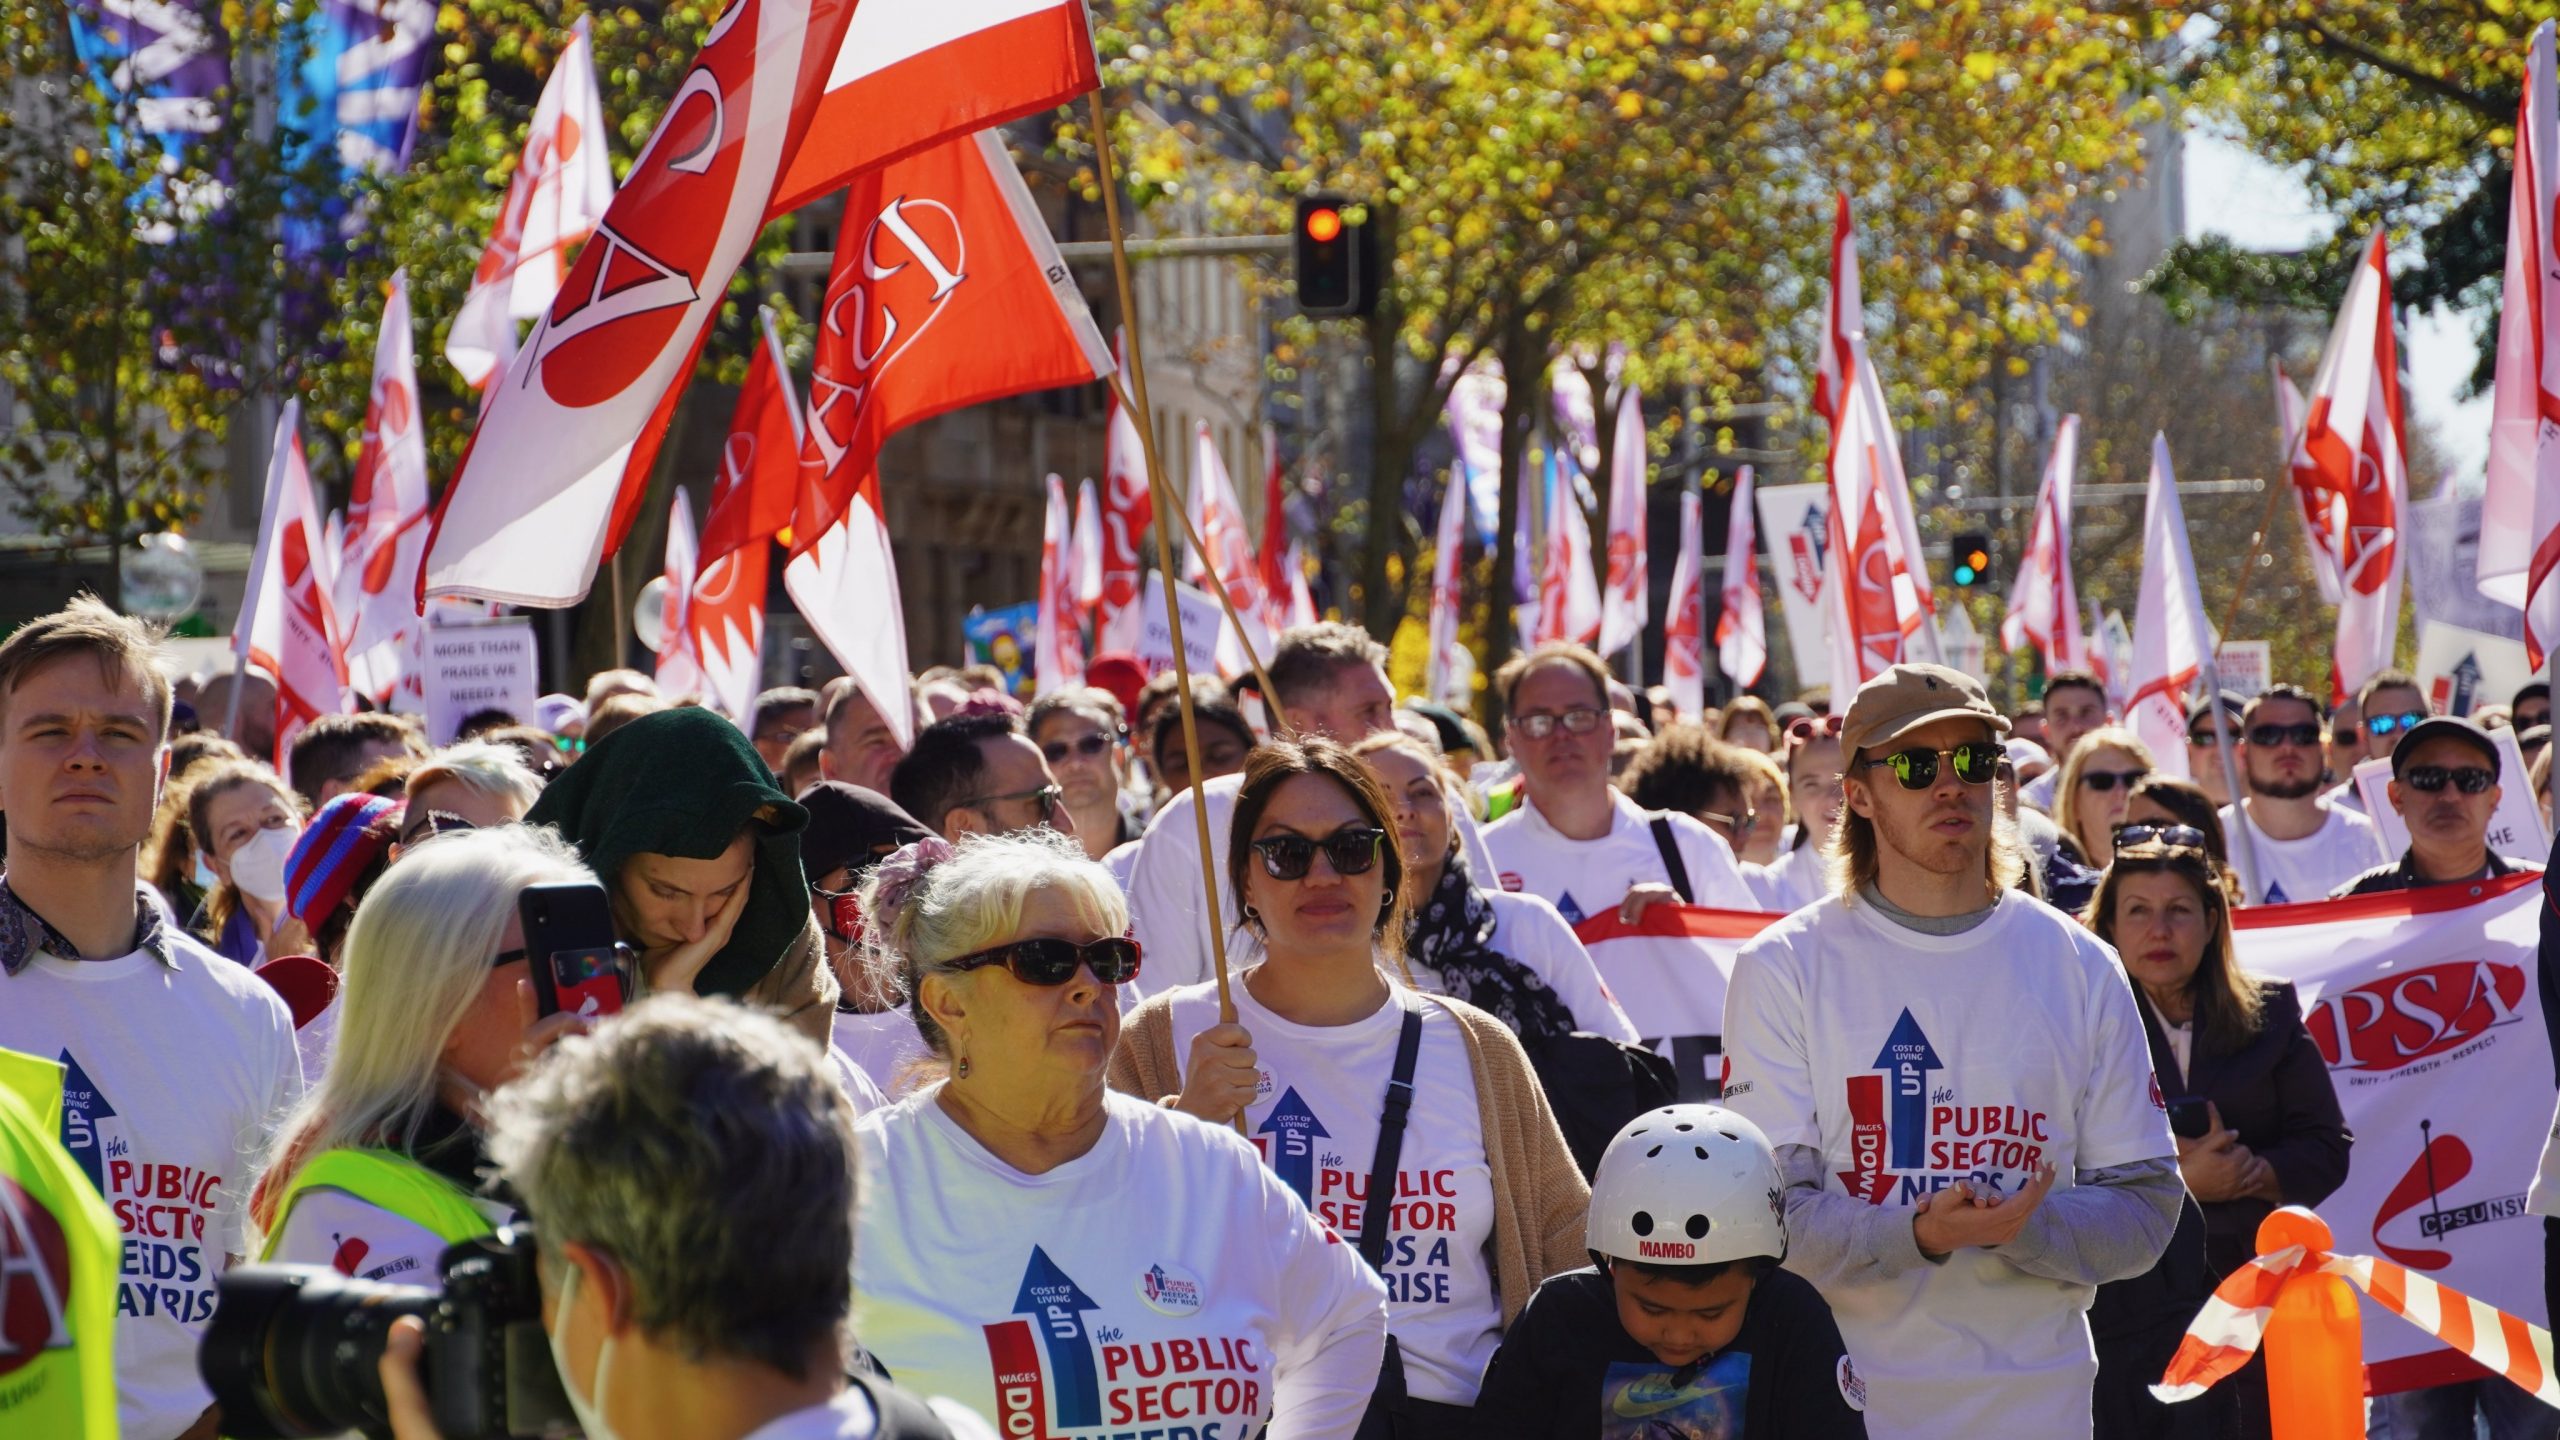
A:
<point x="2227" y="1330"/>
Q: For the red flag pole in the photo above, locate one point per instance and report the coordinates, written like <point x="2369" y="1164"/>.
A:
<point x="1145" y="417"/>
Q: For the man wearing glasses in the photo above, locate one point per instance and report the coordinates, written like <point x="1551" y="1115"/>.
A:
<point x="2444" y="783"/>
<point x="2388" y="706"/>
<point x="976" y="773"/>
<point x="1576" y="842"/>
<point x="1957" y="1084"/>
<point x="2305" y="843"/>
<point x="2075" y="703"/>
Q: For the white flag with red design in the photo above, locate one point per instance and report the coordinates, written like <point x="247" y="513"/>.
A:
<point x="1843" y="320"/>
<point x="751" y="502"/>
<point x="556" y="471"/>
<point x="912" y="73"/>
<point x="2322" y="511"/>
<point x="1128" y="512"/>
<point x="1872" y="562"/>
<point x="2170" y="638"/>
<point x="1219" y="517"/>
<point x="1302" y="596"/>
<point x="1271" y="555"/>
<point x="2044" y="604"/>
<point x="1449" y="677"/>
<point x="1057" y="647"/>
<point x="2352" y="438"/>
<point x="1087" y="561"/>
<point x="679" y="672"/>
<point x="286" y="625"/>
<point x="2520" y="513"/>
<point x="1684" y="626"/>
<point x="1568" y="591"/>
<point x="1626" y="598"/>
<point x="375" y="592"/>
<point x="1742" y="630"/>
<point x="562" y="187"/>
<point x="947" y="291"/>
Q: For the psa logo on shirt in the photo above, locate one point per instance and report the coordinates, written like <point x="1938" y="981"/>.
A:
<point x="1060" y="1377"/>
<point x="1908" y="1137"/>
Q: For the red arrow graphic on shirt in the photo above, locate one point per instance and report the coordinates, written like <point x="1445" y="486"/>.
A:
<point x="1867" y="1178"/>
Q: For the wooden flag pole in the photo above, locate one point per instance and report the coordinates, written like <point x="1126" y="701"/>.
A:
<point x="1146" y="428"/>
<point x="2257" y="543"/>
<point x="1161" y="491"/>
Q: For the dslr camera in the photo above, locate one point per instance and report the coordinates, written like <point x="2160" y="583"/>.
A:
<point x="294" y="1350"/>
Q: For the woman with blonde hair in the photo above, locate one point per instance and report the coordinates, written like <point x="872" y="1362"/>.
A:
<point x="1748" y="721"/>
<point x="378" y="1170"/>
<point x="2096" y="785"/>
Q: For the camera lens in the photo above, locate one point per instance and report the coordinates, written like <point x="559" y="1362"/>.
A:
<point x="292" y="1350"/>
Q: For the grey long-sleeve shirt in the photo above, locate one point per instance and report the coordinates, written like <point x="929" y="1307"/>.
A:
<point x="2105" y="1225"/>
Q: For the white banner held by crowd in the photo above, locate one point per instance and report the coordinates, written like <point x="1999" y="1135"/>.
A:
<point x="1202" y="625"/>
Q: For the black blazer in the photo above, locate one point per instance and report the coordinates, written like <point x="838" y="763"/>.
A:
<point x="2275" y="1091"/>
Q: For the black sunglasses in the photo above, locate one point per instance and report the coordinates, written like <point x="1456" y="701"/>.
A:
<point x="2469" y="779"/>
<point x="1090" y="747"/>
<point x="1046" y="961"/>
<point x="2385" y="724"/>
<point x="2103" y="781"/>
<point x="1976" y="761"/>
<point x="2267" y="737"/>
<point x="2143" y="834"/>
<point x="434" y="822"/>
<point x="1048" y="797"/>
<point x="1350" y="851"/>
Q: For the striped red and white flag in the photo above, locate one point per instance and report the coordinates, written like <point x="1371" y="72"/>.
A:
<point x="2520" y="512"/>
<point x="1057" y="645"/>
<point x="286" y="625"/>
<point x="2044" y="604"/>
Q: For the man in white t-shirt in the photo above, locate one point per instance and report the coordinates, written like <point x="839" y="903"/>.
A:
<point x="1332" y="680"/>
<point x="2301" y="844"/>
<point x="1955" y="1079"/>
<point x="2075" y="703"/>
<point x="176" y="1060"/>
<point x="1576" y="842"/>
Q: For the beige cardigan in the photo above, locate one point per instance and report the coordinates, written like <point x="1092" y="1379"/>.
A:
<point x="1539" y="1198"/>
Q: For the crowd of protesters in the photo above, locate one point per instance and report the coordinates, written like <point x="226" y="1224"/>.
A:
<point x="964" y="955"/>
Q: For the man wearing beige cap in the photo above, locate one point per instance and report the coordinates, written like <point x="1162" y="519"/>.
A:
<point x="1955" y="1078"/>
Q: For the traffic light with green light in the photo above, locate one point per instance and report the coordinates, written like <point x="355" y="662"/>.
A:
<point x="1969" y="559"/>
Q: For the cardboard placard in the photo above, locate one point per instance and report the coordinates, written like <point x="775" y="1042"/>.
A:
<point x="1794" y="521"/>
<point x="2461" y="670"/>
<point x="1202" y="623"/>
<point x="479" y="666"/>
<point x="2516" y="831"/>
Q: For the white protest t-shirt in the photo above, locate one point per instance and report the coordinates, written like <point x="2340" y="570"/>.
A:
<point x="1583" y="878"/>
<point x="1530" y="931"/>
<point x="2291" y="871"/>
<point x="1792" y="881"/>
<point x="353" y="1237"/>
<point x="172" y="1075"/>
<point x="1914" y="1061"/>
<point x="885" y="1046"/>
<point x="1163" y="1282"/>
<point x="1315" y="1120"/>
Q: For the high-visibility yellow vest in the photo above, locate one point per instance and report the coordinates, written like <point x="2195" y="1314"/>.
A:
<point x="386" y="1182"/>
<point x="59" y="1253"/>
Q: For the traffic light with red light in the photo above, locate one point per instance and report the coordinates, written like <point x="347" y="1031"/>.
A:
<point x="1336" y="258"/>
<point x="1969" y="559"/>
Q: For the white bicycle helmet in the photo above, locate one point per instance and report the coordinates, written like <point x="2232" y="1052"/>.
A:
<point x="1688" y="1185"/>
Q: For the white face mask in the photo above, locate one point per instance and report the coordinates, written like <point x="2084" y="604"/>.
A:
<point x="257" y="867"/>
<point x="590" y="1413"/>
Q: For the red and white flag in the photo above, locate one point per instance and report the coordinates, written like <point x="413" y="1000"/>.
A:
<point x="1088" y="548"/>
<point x="286" y="626"/>
<point x="556" y="471"/>
<point x="1568" y="591"/>
<point x="562" y="186"/>
<point x="1057" y="647"/>
<point x="2353" y="438"/>
<point x="2044" y="604"/>
<point x="1302" y="596"/>
<point x="1219" y="517"/>
<point x="1450" y="670"/>
<point x="679" y="672"/>
<point x="1843" y="319"/>
<point x="1626" y="598"/>
<point x="1873" y="561"/>
<point x="1742" y="631"/>
<point x="2322" y="511"/>
<point x="2520" y="513"/>
<point x="1271" y="557"/>
<point x="751" y="502"/>
<point x="2171" y="640"/>
<point x="1128" y="512"/>
<point x="947" y="291"/>
<point x="912" y="73"/>
<point x="375" y="592"/>
<point x="1684" y="625"/>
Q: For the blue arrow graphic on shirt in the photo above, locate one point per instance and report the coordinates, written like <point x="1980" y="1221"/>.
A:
<point x="83" y="1106"/>
<point x="1907" y="1058"/>
<point x="1294" y="1131"/>
<point x="1057" y="1308"/>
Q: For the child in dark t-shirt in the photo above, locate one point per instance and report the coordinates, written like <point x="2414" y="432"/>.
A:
<point x="1685" y="1328"/>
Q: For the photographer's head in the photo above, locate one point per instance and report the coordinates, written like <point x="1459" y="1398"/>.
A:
<point x="692" y="1168"/>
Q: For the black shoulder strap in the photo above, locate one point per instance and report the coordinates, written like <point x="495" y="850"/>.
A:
<point x="902" y="1416"/>
<point x="1391" y="1118"/>
<point x="1671" y="861"/>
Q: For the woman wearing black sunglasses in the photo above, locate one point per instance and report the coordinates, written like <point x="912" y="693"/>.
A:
<point x="2097" y="782"/>
<point x="1475" y="1199"/>
<point x="1032" y="1206"/>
